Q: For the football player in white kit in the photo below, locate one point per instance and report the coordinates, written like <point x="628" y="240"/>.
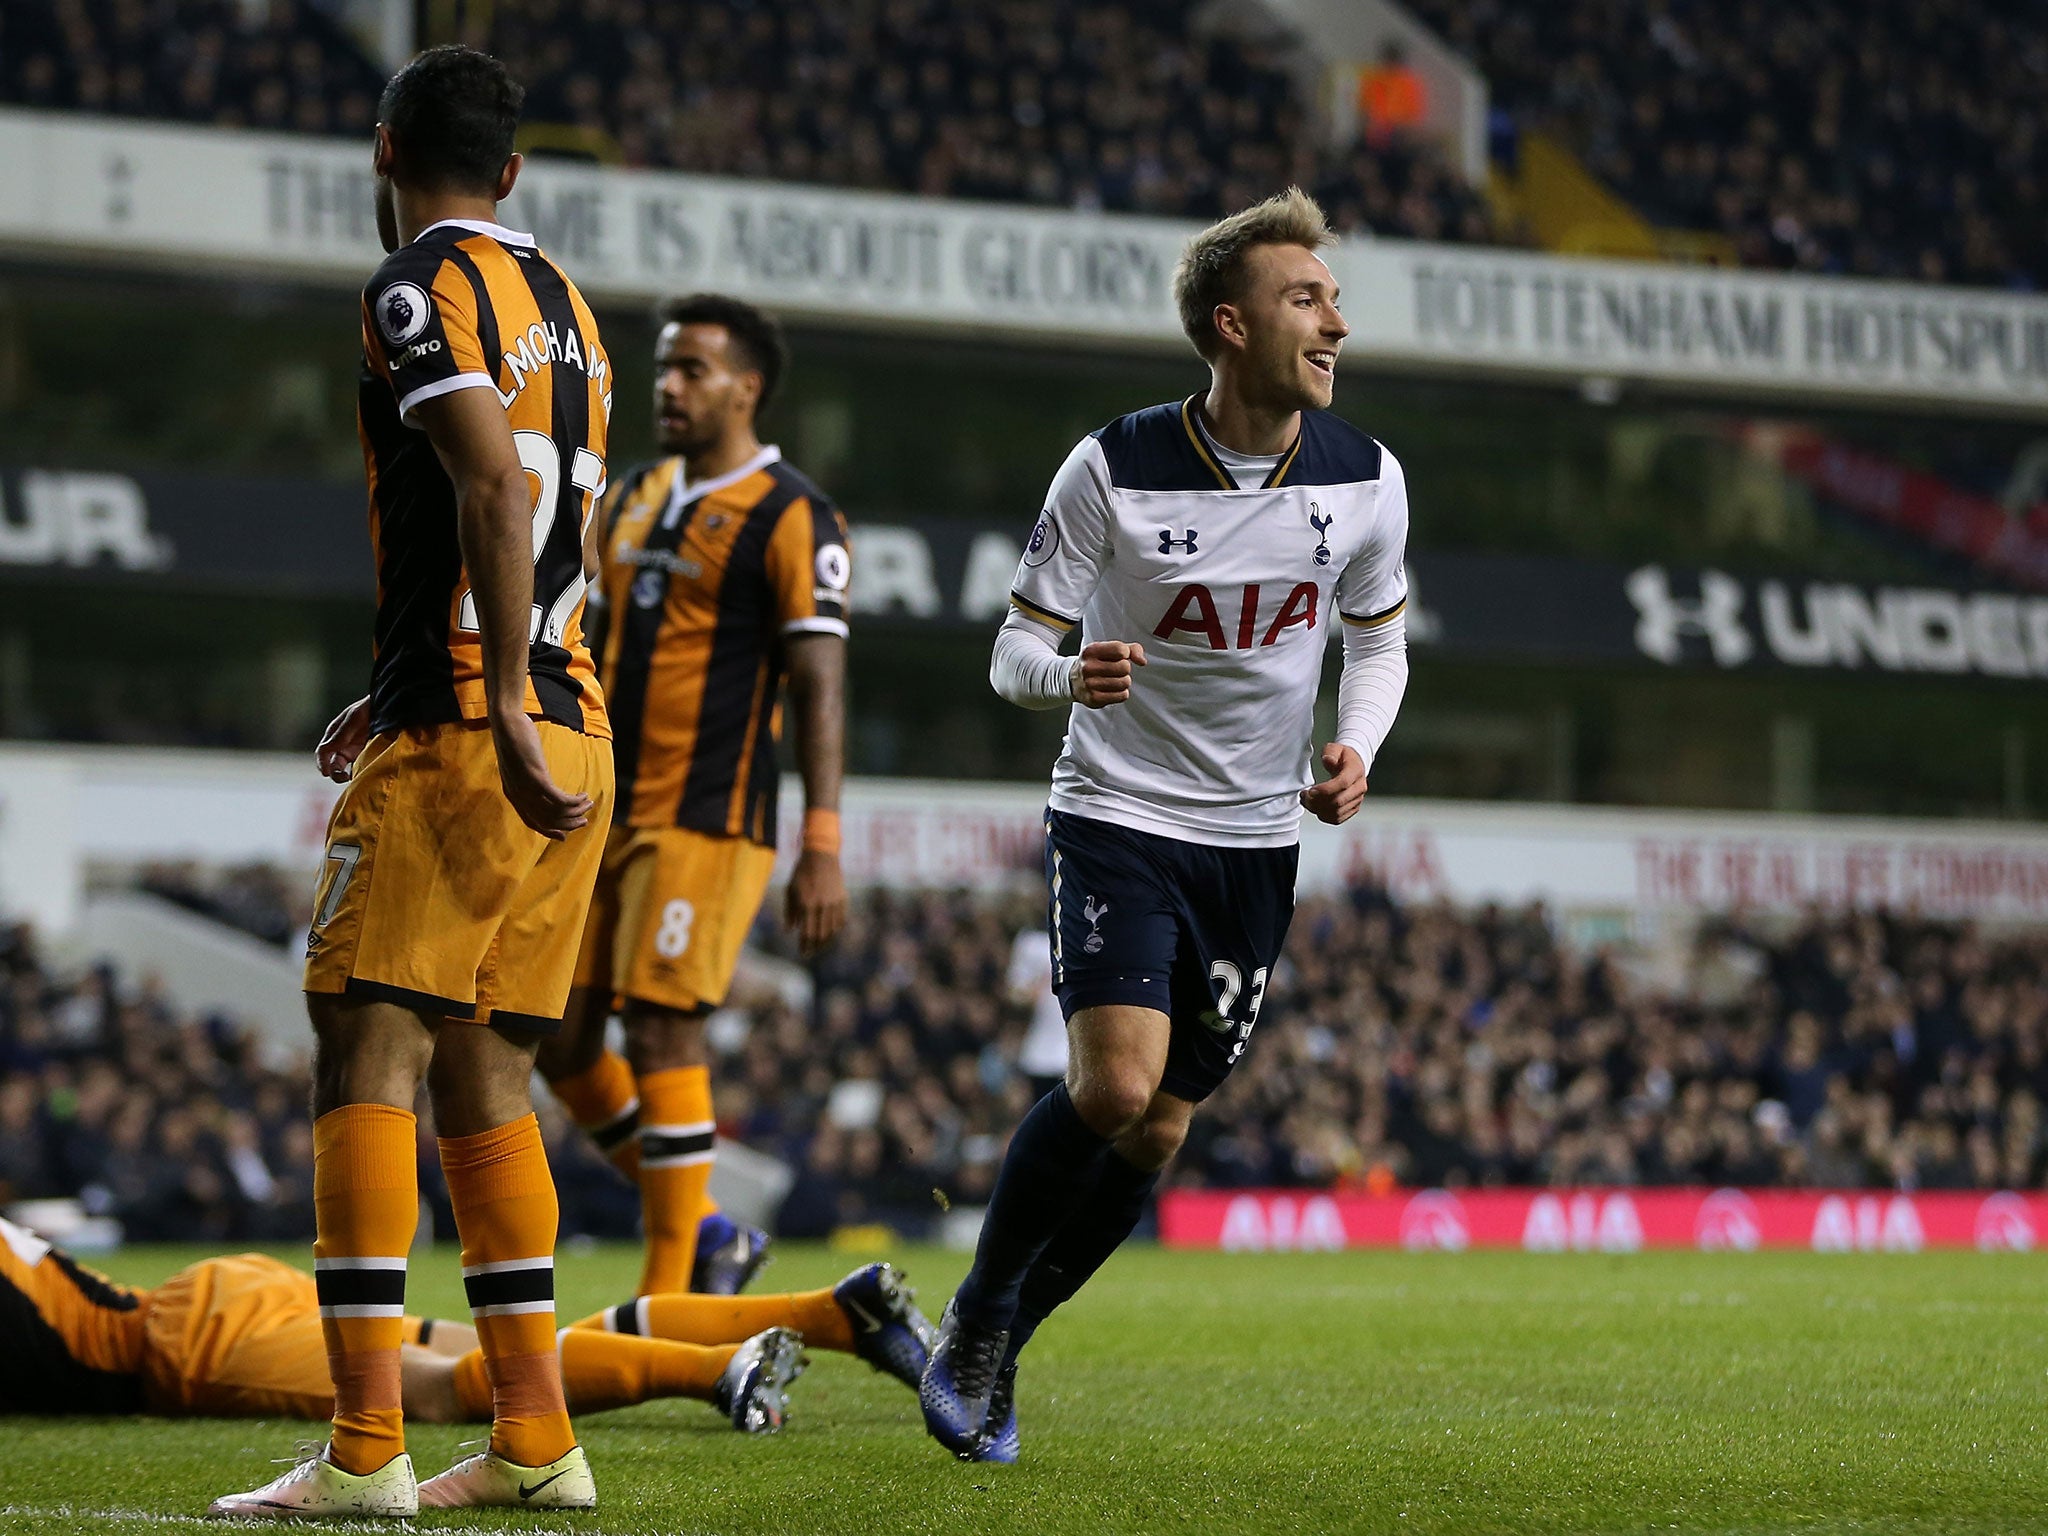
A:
<point x="1206" y="549"/>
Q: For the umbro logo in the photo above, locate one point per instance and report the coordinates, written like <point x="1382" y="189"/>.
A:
<point x="1185" y="544"/>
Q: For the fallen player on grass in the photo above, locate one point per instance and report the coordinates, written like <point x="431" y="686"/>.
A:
<point x="240" y="1337"/>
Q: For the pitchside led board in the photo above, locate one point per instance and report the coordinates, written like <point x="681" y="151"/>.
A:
<point x="1604" y="1220"/>
<point x="226" y="534"/>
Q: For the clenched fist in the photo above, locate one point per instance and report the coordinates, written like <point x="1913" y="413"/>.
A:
<point x="1105" y="674"/>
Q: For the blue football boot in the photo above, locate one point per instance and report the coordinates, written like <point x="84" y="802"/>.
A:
<point x="999" y="1441"/>
<point x="888" y="1330"/>
<point x="729" y="1254"/>
<point x="958" y="1380"/>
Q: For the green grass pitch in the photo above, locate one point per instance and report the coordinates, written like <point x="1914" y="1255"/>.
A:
<point x="1402" y="1393"/>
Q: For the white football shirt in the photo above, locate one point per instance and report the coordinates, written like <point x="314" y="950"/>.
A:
<point x="1234" y="593"/>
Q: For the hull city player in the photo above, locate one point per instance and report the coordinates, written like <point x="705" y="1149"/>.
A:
<point x="1206" y="549"/>
<point x="460" y="859"/>
<point x="240" y="1337"/>
<point x="724" y="585"/>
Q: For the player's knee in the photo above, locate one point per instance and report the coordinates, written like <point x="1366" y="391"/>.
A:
<point x="663" y="1039"/>
<point x="1111" y="1102"/>
<point x="366" y="1054"/>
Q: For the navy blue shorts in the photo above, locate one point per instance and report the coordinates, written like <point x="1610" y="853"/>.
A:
<point x="1154" y="922"/>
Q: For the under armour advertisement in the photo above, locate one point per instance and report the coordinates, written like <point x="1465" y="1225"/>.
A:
<point x="216" y="533"/>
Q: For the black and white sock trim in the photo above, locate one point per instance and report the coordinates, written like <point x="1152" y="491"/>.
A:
<point x="510" y="1287"/>
<point x="676" y="1146"/>
<point x="629" y="1317"/>
<point x="616" y="1132"/>
<point x="360" y="1287"/>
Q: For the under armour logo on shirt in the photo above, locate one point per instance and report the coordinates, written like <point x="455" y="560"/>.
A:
<point x="1168" y="543"/>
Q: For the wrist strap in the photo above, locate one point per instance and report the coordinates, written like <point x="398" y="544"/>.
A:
<point x="821" y="831"/>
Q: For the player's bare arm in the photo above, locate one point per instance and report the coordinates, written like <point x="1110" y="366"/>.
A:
<point x="815" y="907"/>
<point x="494" y="522"/>
<point x="1107" y="673"/>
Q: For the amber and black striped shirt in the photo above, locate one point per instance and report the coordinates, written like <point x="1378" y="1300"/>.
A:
<point x="472" y="305"/>
<point x="70" y="1339"/>
<point x="702" y="585"/>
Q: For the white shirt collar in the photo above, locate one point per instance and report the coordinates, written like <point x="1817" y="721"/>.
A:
<point x="479" y="227"/>
<point x="682" y="495"/>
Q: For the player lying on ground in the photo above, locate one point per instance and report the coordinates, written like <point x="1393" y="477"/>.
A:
<point x="239" y="1337"/>
<point x="1212" y="542"/>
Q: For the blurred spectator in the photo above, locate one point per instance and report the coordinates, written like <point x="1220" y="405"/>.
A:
<point x="1392" y="99"/>
<point x="1887" y="138"/>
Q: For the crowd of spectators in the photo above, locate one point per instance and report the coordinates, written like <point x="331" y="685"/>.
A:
<point x="1879" y="138"/>
<point x="1396" y="1046"/>
<point x="178" y="1129"/>
<point x="1424" y="1046"/>
<point x="283" y="64"/>
<point x="1887" y="138"/>
<point x="1075" y="103"/>
<point x="1111" y="104"/>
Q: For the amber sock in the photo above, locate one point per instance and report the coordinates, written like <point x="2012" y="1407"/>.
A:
<point x="605" y="1103"/>
<point x="676" y="1133"/>
<point x="365" y="1207"/>
<point x="506" y="1213"/>
<point x="694" y="1319"/>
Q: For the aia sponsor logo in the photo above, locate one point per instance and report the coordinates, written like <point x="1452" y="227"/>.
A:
<point x="1727" y="1223"/>
<point x="1281" y="1223"/>
<point x="1583" y="1223"/>
<point x="1868" y="1224"/>
<point x="1435" y="1219"/>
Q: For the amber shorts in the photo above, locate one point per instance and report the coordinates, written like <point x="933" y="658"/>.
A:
<point x="437" y="897"/>
<point x="671" y="910"/>
<point x="236" y="1337"/>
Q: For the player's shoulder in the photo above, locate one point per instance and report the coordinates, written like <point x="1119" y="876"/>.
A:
<point x="792" y="485"/>
<point x="418" y="262"/>
<point x="1155" y="450"/>
<point x="1334" y="452"/>
<point x="639" y="481"/>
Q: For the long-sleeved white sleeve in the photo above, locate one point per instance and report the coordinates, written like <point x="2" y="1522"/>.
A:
<point x="1369" y="690"/>
<point x="1027" y="667"/>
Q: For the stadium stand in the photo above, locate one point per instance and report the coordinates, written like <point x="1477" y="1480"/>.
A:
<point x="1874" y="137"/>
<point x="1410" y="1045"/>
<point x="284" y="65"/>
<point x="1011" y="100"/>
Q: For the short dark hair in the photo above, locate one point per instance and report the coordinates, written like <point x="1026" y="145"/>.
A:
<point x="753" y="331"/>
<point x="454" y="114"/>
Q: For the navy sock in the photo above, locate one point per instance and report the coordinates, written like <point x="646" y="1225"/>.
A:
<point x="1053" y="1162"/>
<point x="1083" y="1244"/>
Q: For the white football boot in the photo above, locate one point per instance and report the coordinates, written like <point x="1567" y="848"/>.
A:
<point x="488" y="1480"/>
<point x="316" y="1489"/>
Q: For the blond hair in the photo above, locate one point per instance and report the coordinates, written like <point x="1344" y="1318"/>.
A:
<point x="1211" y="269"/>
